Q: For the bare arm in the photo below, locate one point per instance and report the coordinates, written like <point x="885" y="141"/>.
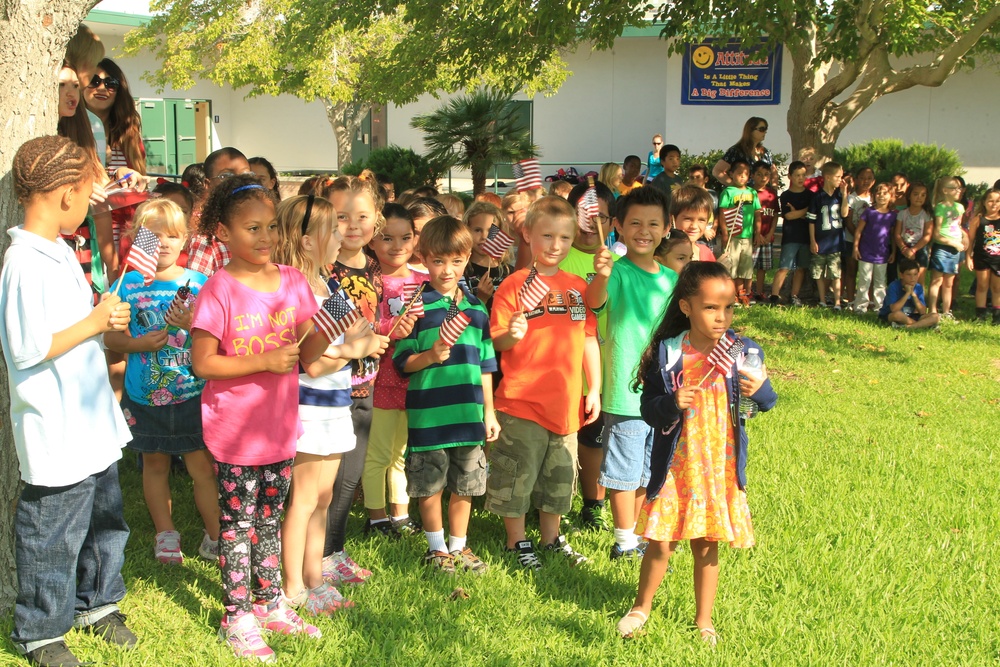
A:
<point x="112" y="314"/>
<point x="721" y="172"/>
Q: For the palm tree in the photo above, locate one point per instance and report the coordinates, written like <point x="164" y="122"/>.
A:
<point x="475" y="132"/>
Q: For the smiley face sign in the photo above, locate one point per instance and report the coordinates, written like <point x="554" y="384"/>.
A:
<point x="703" y="57"/>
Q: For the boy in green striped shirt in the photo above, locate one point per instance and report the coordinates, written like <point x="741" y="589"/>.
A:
<point x="449" y="400"/>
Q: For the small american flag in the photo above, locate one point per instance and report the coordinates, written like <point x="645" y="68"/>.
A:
<point x="413" y="302"/>
<point x="497" y="243"/>
<point x="723" y="355"/>
<point x="734" y="219"/>
<point x="528" y="174"/>
<point x="455" y="322"/>
<point x="335" y="316"/>
<point x="586" y="210"/>
<point x="144" y="254"/>
<point x="532" y="291"/>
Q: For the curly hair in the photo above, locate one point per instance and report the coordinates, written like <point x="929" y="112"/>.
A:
<point x="227" y="198"/>
<point x="193" y="179"/>
<point x="44" y="164"/>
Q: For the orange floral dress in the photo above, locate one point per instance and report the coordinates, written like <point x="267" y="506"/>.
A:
<point x="700" y="497"/>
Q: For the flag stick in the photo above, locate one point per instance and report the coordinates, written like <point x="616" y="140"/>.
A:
<point x="306" y="334"/>
<point x="406" y="309"/>
<point x="489" y="262"/>
<point x="121" y="279"/>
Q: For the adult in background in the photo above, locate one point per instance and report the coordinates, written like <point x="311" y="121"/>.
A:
<point x="749" y="148"/>
<point x="653" y="159"/>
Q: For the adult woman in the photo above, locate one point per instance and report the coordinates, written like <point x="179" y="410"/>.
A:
<point x="107" y="96"/>
<point x="750" y="147"/>
<point x="611" y="176"/>
<point x="653" y="166"/>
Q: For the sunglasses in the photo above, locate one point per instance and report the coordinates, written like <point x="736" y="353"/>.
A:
<point x="762" y="128"/>
<point x="110" y="83"/>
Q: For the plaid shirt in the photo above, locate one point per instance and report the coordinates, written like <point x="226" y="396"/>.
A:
<point x="207" y="255"/>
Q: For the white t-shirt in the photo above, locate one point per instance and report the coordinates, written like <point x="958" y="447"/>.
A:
<point x="66" y="422"/>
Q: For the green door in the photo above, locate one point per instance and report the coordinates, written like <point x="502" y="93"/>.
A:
<point x="182" y="114"/>
<point x="361" y="142"/>
<point x="155" y="131"/>
<point x="522" y="110"/>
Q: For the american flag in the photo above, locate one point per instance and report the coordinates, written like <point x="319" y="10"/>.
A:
<point x="723" y="355"/>
<point x="532" y="291"/>
<point x="144" y="254"/>
<point x="586" y="210"/>
<point x="734" y="219"/>
<point x="413" y="303"/>
<point x="335" y="316"/>
<point x="528" y="174"/>
<point x="455" y="322"/>
<point x="497" y="243"/>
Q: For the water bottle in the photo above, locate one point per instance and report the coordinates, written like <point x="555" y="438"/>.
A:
<point x="752" y="365"/>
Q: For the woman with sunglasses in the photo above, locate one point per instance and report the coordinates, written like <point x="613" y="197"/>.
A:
<point x="107" y="96"/>
<point x="750" y="148"/>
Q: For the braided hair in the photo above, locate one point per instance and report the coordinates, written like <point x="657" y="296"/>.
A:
<point x="44" y="164"/>
<point x="225" y="200"/>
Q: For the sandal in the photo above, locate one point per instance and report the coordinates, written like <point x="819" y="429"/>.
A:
<point x="709" y="636"/>
<point x="631" y="623"/>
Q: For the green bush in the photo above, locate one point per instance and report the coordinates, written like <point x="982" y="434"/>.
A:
<point x="711" y="157"/>
<point x="406" y="168"/>
<point x="920" y="162"/>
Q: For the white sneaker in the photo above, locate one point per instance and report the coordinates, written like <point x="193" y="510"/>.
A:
<point x="168" y="548"/>
<point x="243" y="636"/>
<point x="209" y="549"/>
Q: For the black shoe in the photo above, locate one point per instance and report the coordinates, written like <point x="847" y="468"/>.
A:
<point x="635" y="553"/>
<point x="55" y="654"/>
<point x="112" y="629"/>
<point x="384" y="528"/>
<point x="774" y="300"/>
<point x="406" y="526"/>
<point x="597" y="517"/>
<point x="561" y="546"/>
<point x="526" y="556"/>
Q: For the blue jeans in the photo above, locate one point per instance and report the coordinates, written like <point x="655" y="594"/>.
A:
<point x="628" y="445"/>
<point x="69" y="548"/>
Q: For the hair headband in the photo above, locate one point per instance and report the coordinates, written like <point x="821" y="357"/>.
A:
<point x="251" y="186"/>
<point x="309" y="208"/>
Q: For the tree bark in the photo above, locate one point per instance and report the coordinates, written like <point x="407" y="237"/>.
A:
<point x="33" y="38"/>
<point x="478" y="181"/>
<point x="345" y="118"/>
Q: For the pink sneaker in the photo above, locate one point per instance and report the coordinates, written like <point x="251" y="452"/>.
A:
<point x="341" y="568"/>
<point x="278" y="617"/>
<point x="243" y="636"/>
<point x="325" y="599"/>
<point x="168" y="548"/>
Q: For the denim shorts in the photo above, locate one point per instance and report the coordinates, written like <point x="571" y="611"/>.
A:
<point x="628" y="444"/>
<point x="944" y="259"/>
<point x="164" y="429"/>
<point x="794" y="256"/>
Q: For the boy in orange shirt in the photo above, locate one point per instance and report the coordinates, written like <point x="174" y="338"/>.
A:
<point x="540" y="403"/>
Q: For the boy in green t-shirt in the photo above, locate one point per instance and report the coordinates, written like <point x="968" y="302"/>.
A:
<point x="634" y="292"/>
<point x="738" y="229"/>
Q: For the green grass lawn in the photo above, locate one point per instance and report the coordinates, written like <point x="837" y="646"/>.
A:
<point x="876" y="504"/>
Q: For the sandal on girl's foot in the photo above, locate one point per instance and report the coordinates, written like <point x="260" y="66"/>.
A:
<point x="631" y="623"/>
<point x="709" y="636"/>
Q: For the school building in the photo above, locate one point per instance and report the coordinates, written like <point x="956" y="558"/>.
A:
<point x="609" y="107"/>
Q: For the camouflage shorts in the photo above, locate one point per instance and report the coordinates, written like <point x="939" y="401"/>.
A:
<point x="530" y="466"/>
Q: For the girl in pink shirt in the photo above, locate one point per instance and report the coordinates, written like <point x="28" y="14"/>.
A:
<point x="248" y="323"/>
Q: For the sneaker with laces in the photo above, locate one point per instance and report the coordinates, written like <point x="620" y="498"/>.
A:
<point x="468" y="561"/>
<point x="324" y="600"/>
<point x="243" y="636"/>
<point x="112" y="629"/>
<point x="381" y="528"/>
<point x="209" y="548"/>
<point x="526" y="556"/>
<point x="340" y="568"/>
<point x="440" y="560"/>
<point x="597" y="518"/>
<point x="562" y="546"/>
<point x="56" y="654"/>
<point x="634" y="553"/>
<point x="278" y="616"/>
<point x="406" y="526"/>
<point x="774" y="300"/>
<point x="796" y="301"/>
<point x="168" y="548"/>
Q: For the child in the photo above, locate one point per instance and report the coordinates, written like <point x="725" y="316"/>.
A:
<point x="69" y="531"/>
<point x="562" y="188"/>
<point x="207" y="253"/>
<point x="360" y="278"/>
<point x="984" y="257"/>
<point x="764" y="235"/>
<point x="826" y="216"/>
<point x="914" y="227"/>
<point x="634" y="292"/>
<point x="859" y="200"/>
<point x="675" y="251"/>
<point x="423" y="210"/>
<point x="266" y="173"/>
<point x="949" y="240"/>
<point x="546" y="353"/>
<point x="309" y="240"/>
<point x="445" y="448"/>
<point x="903" y="306"/>
<point x="393" y="248"/>
<point x="738" y="241"/>
<point x="690" y="210"/>
<point x="162" y="401"/>
<point x="668" y="180"/>
<point x="480" y="217"/>
<point x="630" y="175"/>
<point x="248" y="322"/>
<point x="794" y="203"/>
<point x="698" y="488"/>
<point x="873" y="248"/>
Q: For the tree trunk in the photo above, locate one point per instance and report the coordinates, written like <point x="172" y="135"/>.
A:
<point x="478" y="181"/>
<point x="345" y="118"/>
<point x="33" y="38"/>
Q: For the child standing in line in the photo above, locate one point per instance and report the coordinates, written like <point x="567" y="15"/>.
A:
<point x="914" y="227"/>
<point x="873" y="249"/>
<point x="668" y="180"/>
<point x="737" y="239"/>
<point x="308" y="240"/>
<point x="480" y="218"/>
<point x="206" y="252"/>
<point x="698" y="488"/>
<point x="634" y="293"/>
<point x="690" y="211"/>
<point x="826" y="216"/>
<point x="545" y="354"/>
<point x="764" y="232"/>
<point x="248" y="322"/>
<point x="949" y="240"/>
<point x="69" y="528"/>
<point x="675" y="251"/>
<point x="445" y="447"/>
<point x="387" y="442"/>
<point x="794" y="203"/>
<point x="162" y="401"/>
<point x="360" y="277"/>
<point x="984" y="257"/>
<point x="859" y="199"/>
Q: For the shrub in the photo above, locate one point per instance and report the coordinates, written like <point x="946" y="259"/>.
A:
<point x="711" y="157"/>
<point x="406" y="168"/>
<point x="920" y="162"/>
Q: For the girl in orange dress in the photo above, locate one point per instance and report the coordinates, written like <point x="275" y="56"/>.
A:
<point x="697" y="487"/>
